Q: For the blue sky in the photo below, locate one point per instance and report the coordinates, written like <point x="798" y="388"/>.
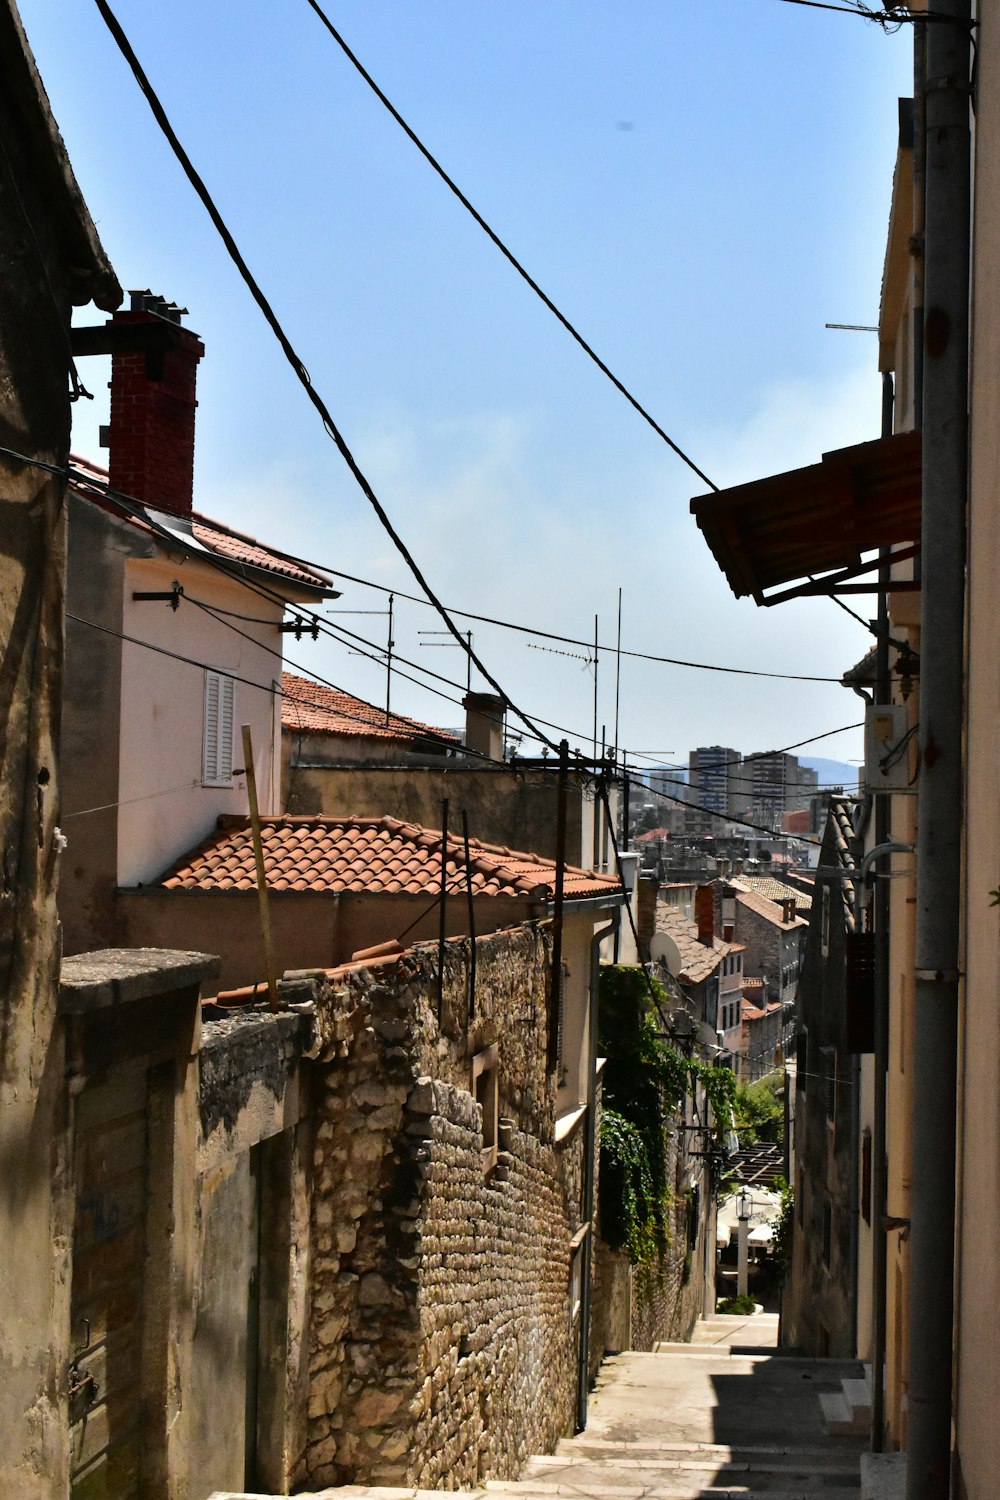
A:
<point x="700" y="188"/>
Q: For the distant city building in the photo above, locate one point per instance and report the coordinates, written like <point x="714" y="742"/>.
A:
<point x="777" y="784"/>
<point x="714" y="781"/>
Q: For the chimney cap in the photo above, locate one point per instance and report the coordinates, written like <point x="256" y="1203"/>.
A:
<point x="143" y="300"/>
<point x="484" y="701"/>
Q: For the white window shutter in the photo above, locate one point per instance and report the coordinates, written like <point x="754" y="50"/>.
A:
<point x="217" y="739"/>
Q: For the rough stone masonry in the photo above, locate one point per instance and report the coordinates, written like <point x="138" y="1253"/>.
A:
<point x="444" y="1333"/>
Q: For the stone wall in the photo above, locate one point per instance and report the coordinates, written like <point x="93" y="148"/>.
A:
<point x="659" y="1303"/>
<point x="443" y="1349"/>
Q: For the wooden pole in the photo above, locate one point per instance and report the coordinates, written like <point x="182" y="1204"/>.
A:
<point x="258" y="856"/>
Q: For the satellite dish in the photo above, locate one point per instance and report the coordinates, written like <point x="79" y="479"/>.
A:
<point x="706" y="1034"/>
<point x="663" y="949"/>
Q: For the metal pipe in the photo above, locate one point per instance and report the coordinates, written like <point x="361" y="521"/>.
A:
<point x="944" y="492"/>
<point x="557" y="907"/>
<point x="880" y="1060"/>
<point x="590" y="1172"/>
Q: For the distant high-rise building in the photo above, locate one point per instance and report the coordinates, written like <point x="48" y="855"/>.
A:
<point x="713" y="778"/>
<point x="778" y="784"/>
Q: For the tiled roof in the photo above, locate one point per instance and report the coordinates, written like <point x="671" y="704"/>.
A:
<point x="770" y="910"/>
<point x="698" y="960"/>
<point x="372" y="855"/>
<point x="309" y="706"/>
<point x="776" y="890"/>
<point x="199" y="533"/>
<point x="840" y="823"/>
<point x="653" y="833"/>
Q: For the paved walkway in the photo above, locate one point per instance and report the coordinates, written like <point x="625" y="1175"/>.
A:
<point x="725" y="1416"/>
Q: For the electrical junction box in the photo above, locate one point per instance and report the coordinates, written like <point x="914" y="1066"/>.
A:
<point x="891" y="751"/>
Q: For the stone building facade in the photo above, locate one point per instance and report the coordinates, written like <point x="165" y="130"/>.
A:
<point x="444" y="1332"/>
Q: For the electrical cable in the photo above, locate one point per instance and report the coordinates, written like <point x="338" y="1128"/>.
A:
<point x="298" y="368"/>
<point x="85" y="481"/>
<point x="602" y="792"/>
<point x="569" y="640"/>
<point x="504" y="251"/>
<point x="891" y="16"/>
<point x="798" y="838"/>
<point x="80" y="478"/>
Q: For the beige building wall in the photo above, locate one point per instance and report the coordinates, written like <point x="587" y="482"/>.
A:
<point x="165" y="809"/>
<point x="978" y="1255"/>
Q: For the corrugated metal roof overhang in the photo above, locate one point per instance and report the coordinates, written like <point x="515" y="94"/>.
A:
<point x="817" y="519"/>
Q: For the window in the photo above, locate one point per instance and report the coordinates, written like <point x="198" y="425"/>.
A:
<point x="217" y="733"/>
<point x="486" y="1093"/>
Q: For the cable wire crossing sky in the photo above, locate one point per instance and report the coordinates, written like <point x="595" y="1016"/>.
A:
<point x="697" y="194"/>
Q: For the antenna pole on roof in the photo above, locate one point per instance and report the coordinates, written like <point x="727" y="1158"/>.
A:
<point x="596" y="663"/>
<point x="618" y="668"/>
<point x="388" y="664"/>
<point x="555" y="993"/>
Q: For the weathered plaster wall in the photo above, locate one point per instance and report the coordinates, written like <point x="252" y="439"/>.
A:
<point x="443" y="1347"/>
<point x="816" y="1302"/>
<point x="513" y="808"/>
<point x="251" y="1264"/>
<point x="50" y="259"/>
<point x="308" y="930"/>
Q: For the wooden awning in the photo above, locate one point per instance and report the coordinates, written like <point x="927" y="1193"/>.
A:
<point x="819" y="520"/>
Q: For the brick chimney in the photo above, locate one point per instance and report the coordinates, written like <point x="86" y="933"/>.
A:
<point x="704" y="914"/>
<point x="484" y="716"/>
<point x="154" y="367"/>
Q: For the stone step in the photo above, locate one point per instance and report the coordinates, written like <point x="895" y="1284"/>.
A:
<point x="858" y="1396"/>
<point x="648" y="1451"/>
<point x="736" y="1489"/>
<point x="715" y="1488"/>
<point x="840" y="1418"/>
<point x="883" y="1476"/>
<point x="617" y="1483"/>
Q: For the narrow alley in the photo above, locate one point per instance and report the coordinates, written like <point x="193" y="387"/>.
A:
<point x="725" y="1415"/>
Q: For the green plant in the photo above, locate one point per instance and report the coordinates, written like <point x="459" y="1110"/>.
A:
<point x="645" y="1083"/>
<point x="781" y="1244"/>
<point x="758" y="1115"/>
<point x="740" y="1306"/>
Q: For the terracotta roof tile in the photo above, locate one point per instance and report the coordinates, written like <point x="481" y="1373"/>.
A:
<point x="369" y="854"/>
<point x="698" y="960"/>
<point x="776" y="890"/>
<point x="200" y="533"/>
<point x="770" y="910"/>
<point x="311" y="707"/>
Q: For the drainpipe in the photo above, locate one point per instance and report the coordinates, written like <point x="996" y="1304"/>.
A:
<point x="590" y="1174"/>
<point x="944" y="488"/>
<point x="854" y="1186"/>
<point x="880" y="1060"/>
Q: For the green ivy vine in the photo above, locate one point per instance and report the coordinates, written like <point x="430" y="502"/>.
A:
<point x="645" y="1083"/>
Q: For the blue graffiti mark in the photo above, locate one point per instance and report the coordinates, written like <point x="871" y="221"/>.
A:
<point x="104" y="1215"/>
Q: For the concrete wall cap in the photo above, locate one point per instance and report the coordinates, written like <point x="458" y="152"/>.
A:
<point x="117" y="976"/>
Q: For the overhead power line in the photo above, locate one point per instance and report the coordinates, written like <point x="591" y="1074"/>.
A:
<point x="508" y="254"/>
<point x="889" y="17"/>
<point x="299" y="369"/>
<point x="80" y="476"/>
